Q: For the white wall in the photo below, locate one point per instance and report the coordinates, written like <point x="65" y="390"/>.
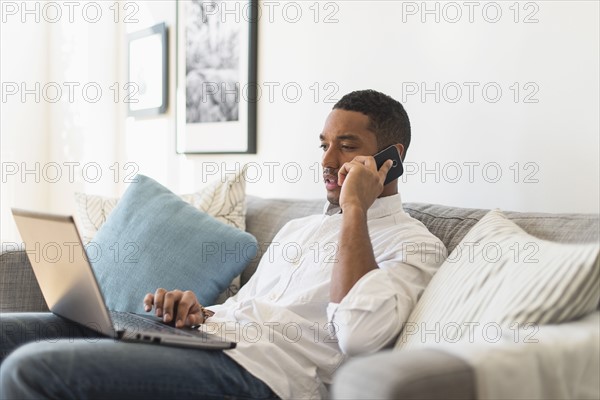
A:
<point x="534" y="146"/>
<point x="62" y="133"/>
<point x="547" y="151"/>
<point x="23" y="124"/>
<point x="85" y="131"/>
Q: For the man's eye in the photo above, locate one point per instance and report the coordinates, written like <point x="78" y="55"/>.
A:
<point x="323" y="147"/>
<point x="348" y="148"/>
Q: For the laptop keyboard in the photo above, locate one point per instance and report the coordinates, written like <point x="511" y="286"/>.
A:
<point x="133" y="323"/>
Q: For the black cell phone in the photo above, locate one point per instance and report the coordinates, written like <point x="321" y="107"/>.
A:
<point x="390" y="153"/>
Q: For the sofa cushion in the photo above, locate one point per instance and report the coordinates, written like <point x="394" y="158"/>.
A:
<point x="19" y="290"/>
<point x="501" y="276"/>
<point x="451" y="224"/>
<point x="155" y="239"/>
<point x="265" y="217"/>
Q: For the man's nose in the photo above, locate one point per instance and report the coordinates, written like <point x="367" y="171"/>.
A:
<point x="330" y="159"/>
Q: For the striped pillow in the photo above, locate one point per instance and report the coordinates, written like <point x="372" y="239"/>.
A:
<point x="92" y="212"/>
<point x="500" y="276"/>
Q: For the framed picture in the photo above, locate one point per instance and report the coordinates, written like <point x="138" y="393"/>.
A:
<point x="216" y="76"/>
<point x="147" y="72"/>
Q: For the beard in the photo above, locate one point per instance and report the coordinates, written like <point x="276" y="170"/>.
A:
<point x="333" y="197"/>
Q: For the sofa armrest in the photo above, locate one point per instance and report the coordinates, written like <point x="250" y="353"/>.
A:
<point x="414" y="374"/>
<point x="19" y="290"/>
<point x="549" y="361"/>
<point x="537" y="362"/>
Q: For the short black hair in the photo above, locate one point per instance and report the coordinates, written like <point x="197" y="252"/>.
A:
<point x="387" y="118"/>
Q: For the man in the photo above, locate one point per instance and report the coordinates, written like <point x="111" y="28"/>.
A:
<point x="348" y="292"/>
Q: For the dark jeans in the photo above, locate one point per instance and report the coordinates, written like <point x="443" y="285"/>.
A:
<point x="44" y="356"/>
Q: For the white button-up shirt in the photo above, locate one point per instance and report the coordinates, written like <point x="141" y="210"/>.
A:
<point x="290" y="335"/>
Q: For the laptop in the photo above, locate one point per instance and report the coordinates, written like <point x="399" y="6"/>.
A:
<point x="69" y="286"/>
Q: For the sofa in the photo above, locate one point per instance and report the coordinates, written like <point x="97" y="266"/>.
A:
<point x="427" y="373"/>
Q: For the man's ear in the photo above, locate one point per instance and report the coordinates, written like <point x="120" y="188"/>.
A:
<point x="400" y="148"/>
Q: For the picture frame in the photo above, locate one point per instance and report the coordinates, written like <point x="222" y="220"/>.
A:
<point x="147" y="83"/>
<point x="216" y="77"/>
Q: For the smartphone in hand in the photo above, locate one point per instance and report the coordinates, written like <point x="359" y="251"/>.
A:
<point x="390" y="153"/>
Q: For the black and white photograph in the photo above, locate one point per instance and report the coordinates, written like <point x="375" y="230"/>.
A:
<point x="212" y="61"/>
<point x="216" y="76"/>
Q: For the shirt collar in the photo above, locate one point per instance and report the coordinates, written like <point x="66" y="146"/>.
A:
<point x="382" y="207"/>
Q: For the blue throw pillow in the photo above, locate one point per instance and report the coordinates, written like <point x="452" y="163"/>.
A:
<point x="154" y="239"/>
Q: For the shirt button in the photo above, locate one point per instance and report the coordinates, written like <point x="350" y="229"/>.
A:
<point x="272" y="296"/>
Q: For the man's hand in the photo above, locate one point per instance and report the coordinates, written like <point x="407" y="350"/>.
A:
<point x="183" y="307"/>
<point x="361" y="182"/>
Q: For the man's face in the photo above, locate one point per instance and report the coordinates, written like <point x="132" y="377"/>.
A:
<point x="345" y="136"/>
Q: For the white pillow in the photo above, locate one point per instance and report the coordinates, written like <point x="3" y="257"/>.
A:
<point x="225" y="200"/>
<point x="501" y="278"/>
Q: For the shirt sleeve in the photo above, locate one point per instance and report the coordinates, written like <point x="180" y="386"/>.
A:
<point x="372" y="314"/>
